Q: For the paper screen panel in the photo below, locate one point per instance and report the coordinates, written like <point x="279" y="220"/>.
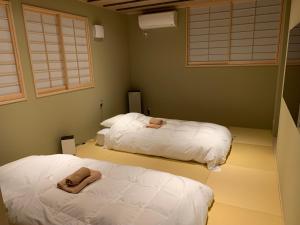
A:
<point x="266" y="28"/>
<point x="243" y="19"/>
<point x="234" y="32"/>
<point x="199" y="34"/>
<point x="209" y="30"/>
<point x="219" y="24"/>
<point x="11" y="86"/>
<point x="75" y="38"/>
<point x="43" y="40"/>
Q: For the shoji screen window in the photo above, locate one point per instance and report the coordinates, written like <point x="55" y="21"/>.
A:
<point x="11" y="81"/>
<point x="76" y="51"/>
<point x="59" y="49"/>
<point x="239" y="32"/>
<point x="209" y="33"/>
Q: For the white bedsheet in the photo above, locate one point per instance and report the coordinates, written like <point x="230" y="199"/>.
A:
<point x="125" y="195"/>
<point x="177" y="139"/>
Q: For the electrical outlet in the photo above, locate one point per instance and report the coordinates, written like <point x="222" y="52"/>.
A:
<point x="101" y="103"/>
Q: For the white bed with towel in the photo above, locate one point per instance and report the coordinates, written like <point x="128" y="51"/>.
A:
<point x="176" y="139"/>
<point x="124" y="195"/>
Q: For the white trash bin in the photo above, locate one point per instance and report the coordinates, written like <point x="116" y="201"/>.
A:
<point x="68" y="144"/>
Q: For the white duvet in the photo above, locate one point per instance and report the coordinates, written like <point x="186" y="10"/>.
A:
<point x="125" y="195"/>
<point x="177" y="139"/>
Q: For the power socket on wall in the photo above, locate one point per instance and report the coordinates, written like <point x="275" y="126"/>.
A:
<point x="101" y="109"/>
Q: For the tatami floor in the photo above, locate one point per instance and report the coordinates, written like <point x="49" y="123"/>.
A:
<point x="246" y="189"/>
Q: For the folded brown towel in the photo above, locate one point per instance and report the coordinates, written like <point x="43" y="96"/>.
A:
<point x="151" y="125"/>
<point x="95" y="175"/>
<point x="156" y="121"/>
<point x="78" y="176"/>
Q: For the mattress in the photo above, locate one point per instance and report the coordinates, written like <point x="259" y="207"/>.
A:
<point x="177" y="139"/>
<point x="100" y="137"/>
<point x="125" y="195"/>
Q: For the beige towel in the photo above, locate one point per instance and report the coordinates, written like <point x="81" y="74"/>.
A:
<point x="156" y="121"/>
<point x="151" y="125"/>
<point x="95" y="175"/>
<point x="78" y="176"/>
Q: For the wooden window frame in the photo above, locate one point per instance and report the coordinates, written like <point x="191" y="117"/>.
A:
<point x="59" y="14"/>
<point x="21" y="96"/>
<point x="226" y="63"/>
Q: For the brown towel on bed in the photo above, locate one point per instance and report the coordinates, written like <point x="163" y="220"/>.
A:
<point x="156" y="121"/>
<point x="151" y="125"/>
<point x="78" y="176"/>
<point x="95" y="175"/>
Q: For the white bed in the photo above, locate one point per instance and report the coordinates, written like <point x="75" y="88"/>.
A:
<point x="125" y="195"/>
<point x="177" y="139"/>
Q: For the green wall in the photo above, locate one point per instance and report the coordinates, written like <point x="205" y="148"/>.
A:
<point x="126" y="58"/>
<point x="236" y="96"/>
<point x="288" y="140"/>
<point x="34" y="126"/>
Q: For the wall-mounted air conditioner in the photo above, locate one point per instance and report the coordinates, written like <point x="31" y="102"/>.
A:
<point x="158" y="20"/>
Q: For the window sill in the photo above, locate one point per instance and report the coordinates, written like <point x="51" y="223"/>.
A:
<point x="40" y="95"/>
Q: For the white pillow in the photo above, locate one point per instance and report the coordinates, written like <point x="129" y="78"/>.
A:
<point x="111" y="121"/>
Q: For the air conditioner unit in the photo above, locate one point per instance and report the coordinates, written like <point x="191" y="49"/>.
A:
<point x="158" y="20"/>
